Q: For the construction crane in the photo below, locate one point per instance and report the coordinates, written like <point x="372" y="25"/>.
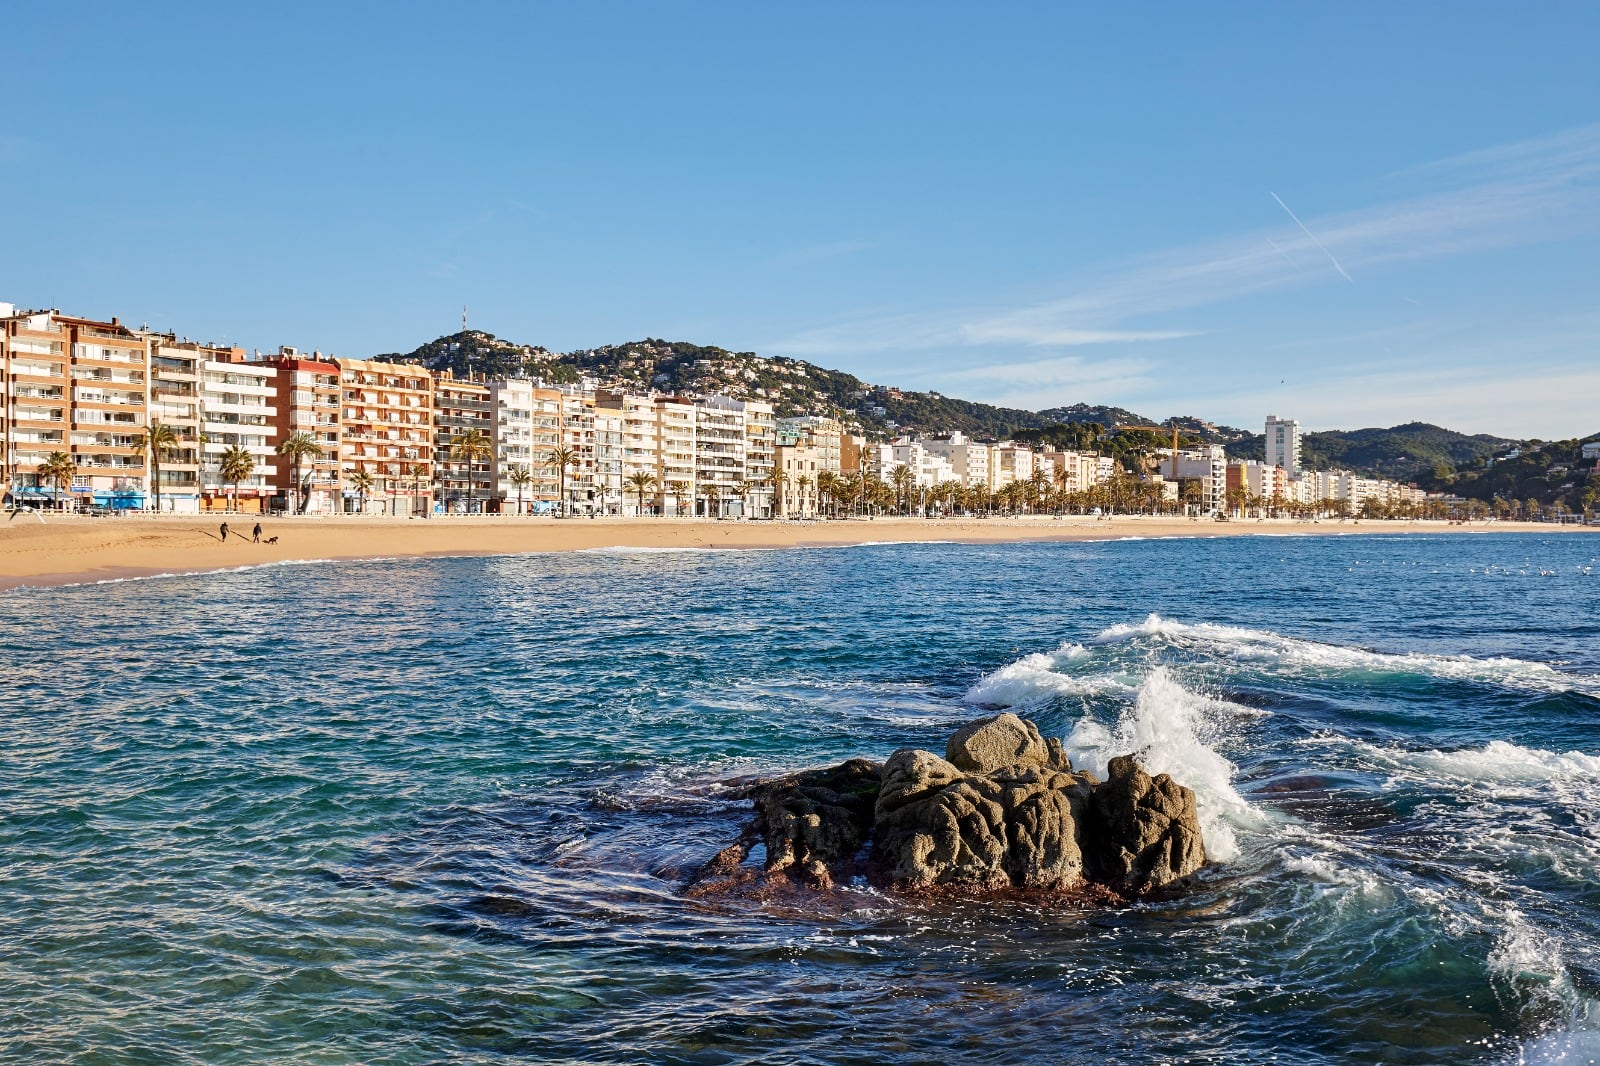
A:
<point x="1161" y="429"/>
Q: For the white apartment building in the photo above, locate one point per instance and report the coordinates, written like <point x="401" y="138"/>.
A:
<point x="675" y="455"/>
<point x="760" y="438"/>
<point x="1208" y="466"/>
<point x="968" y="459"/>
<point x="175" y="372"/>
<point x="1283" y="444"/>
<point x="719" y="451"/>
<point x="511" y="413"/>
<point x="236" y="411"/>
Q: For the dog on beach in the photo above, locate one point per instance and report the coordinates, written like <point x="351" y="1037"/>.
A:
<point x="272" y="540"/>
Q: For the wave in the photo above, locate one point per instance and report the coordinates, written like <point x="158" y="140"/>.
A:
<point x="1263" y="646"/>
<point x="1170" y="728"/>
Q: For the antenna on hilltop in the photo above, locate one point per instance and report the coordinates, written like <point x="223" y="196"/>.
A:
<point x="463" y="318"/>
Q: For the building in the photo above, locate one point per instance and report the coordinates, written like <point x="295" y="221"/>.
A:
<point x="825" y="435"/>
<point x="1206" y="468"/>
<point x="760" y="438"/>
<point x="236" y="412"/>
<point x="306" y="399"/>
<point x="969" y="459"/>
<point x="676" y="490"/>
<point x="798" y="466"/>
<point x="175" y="371"/>
<point x="462" y="482"/>
<point x="719" y="450"/>
<point x="37" y="398"/>
<point x="386" y="436"/>
<point x="1283" y="444"/>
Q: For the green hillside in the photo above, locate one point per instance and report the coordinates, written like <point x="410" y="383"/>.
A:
<point x="794" y="387"/>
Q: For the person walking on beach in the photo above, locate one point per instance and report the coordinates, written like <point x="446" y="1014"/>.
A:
<point x="224" y="531"/>
<point x="255" y="534"/>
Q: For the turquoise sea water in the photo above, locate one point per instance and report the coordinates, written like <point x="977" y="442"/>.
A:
<point x="440" y="811"/>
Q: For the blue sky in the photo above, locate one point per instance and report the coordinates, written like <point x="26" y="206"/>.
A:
<point x="1026" y="204"/>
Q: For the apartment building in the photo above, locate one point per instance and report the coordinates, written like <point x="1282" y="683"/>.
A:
<point x="720" y="457"/>
<point x="387" y="435"/>
<point x="1009" y="463"/>
<point x="175" y="401"/>
<point x="604" y="491"/>
<point x="675" y="454"/>
<point x="969" y="459"/>
<point x="236" y="411"/>
<point x="462" y="407"/>
<point x="824" y="434"/>
<point x="760" y="438"/>
<point x="578" y="438"/>
<point x="1206" y="467"/>
<point x="37" y="398"/>
<point x="797" y="496"/>
<point x="1283" y="444"/>
<point x="307" y="398"/>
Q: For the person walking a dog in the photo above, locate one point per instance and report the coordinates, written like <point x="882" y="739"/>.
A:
<point x="255" y="534"/>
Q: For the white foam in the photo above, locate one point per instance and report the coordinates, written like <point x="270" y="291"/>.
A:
<point x="1171" y="730"/>
<point x="1037" y="679"/>
<point x="1263" y="646"/>
<point x="1496" y="763"/>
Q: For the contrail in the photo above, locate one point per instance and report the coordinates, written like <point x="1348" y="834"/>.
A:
<point x="1277" y="248"/>
<point x="1313" y="237"/>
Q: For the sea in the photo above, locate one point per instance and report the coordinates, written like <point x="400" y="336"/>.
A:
<point x="443" y="810"/>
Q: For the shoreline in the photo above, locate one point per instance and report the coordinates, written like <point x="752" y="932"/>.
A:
<point x="68" y="550"/>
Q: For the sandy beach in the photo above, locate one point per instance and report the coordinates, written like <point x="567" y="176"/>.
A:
<point x="68" y="549"/>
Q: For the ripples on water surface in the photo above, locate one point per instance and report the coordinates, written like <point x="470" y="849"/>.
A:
<point x="438" y="811"/>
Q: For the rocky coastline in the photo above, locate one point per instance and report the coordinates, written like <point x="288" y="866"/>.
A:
<point x="1001" y="814"/>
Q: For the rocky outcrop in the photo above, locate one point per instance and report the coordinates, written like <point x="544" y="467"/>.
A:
<point x="1002" y="812"/>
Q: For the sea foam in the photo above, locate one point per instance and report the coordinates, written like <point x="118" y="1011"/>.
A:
<point x="1273" y="649"/>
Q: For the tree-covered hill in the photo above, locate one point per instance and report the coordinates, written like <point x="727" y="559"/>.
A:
<point x="1400" y="452"/>
<point x="794" y="387"/>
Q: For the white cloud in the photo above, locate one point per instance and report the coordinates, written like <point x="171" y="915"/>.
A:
<point x="1515" y="195"/>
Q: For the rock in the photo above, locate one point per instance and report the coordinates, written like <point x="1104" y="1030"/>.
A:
<point x="1143" y="832"/>
<point x="818" y="819"/>
<point x="1004" y="813"/>
<point x="993" y="743"/>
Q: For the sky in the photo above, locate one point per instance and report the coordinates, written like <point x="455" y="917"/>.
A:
<point x="1353" y="214"/>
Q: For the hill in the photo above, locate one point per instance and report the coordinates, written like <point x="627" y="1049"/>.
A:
<point x="1400" y="452"/>
<point x="794" y="387"/>
<point x="1551" y="476"/>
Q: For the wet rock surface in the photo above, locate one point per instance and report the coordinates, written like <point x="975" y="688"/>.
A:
<point x="1002" y="812"/>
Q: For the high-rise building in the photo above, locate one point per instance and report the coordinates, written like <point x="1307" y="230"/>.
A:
<point x="236" y="411"/>
<point x="1283" y="444"/>
<point x="175" y="402"/>
<point x="307" y="400"/>
<point x="386" y="433"/>
<point x="460" y="408"/>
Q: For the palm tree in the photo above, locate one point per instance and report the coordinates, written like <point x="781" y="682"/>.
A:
<point x="803" y="485"/>
<point x="777" y="479"/>
<point x="559" y="459"/>
<point x="521" y="477"/>
<point x="362" y="482"/>
<point x="58" y="469"/>
<point x="677" y="490"/>
<point x="901" y="477"/>
<point x="713" y="497"/>
<point x="827" y="485"/>
<point x="642" y="483"/>
<point x="157" y="441"/>
<point x="472" y="446"/>
<point x="237" y="464"/>
<point x="298" y="446"/>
